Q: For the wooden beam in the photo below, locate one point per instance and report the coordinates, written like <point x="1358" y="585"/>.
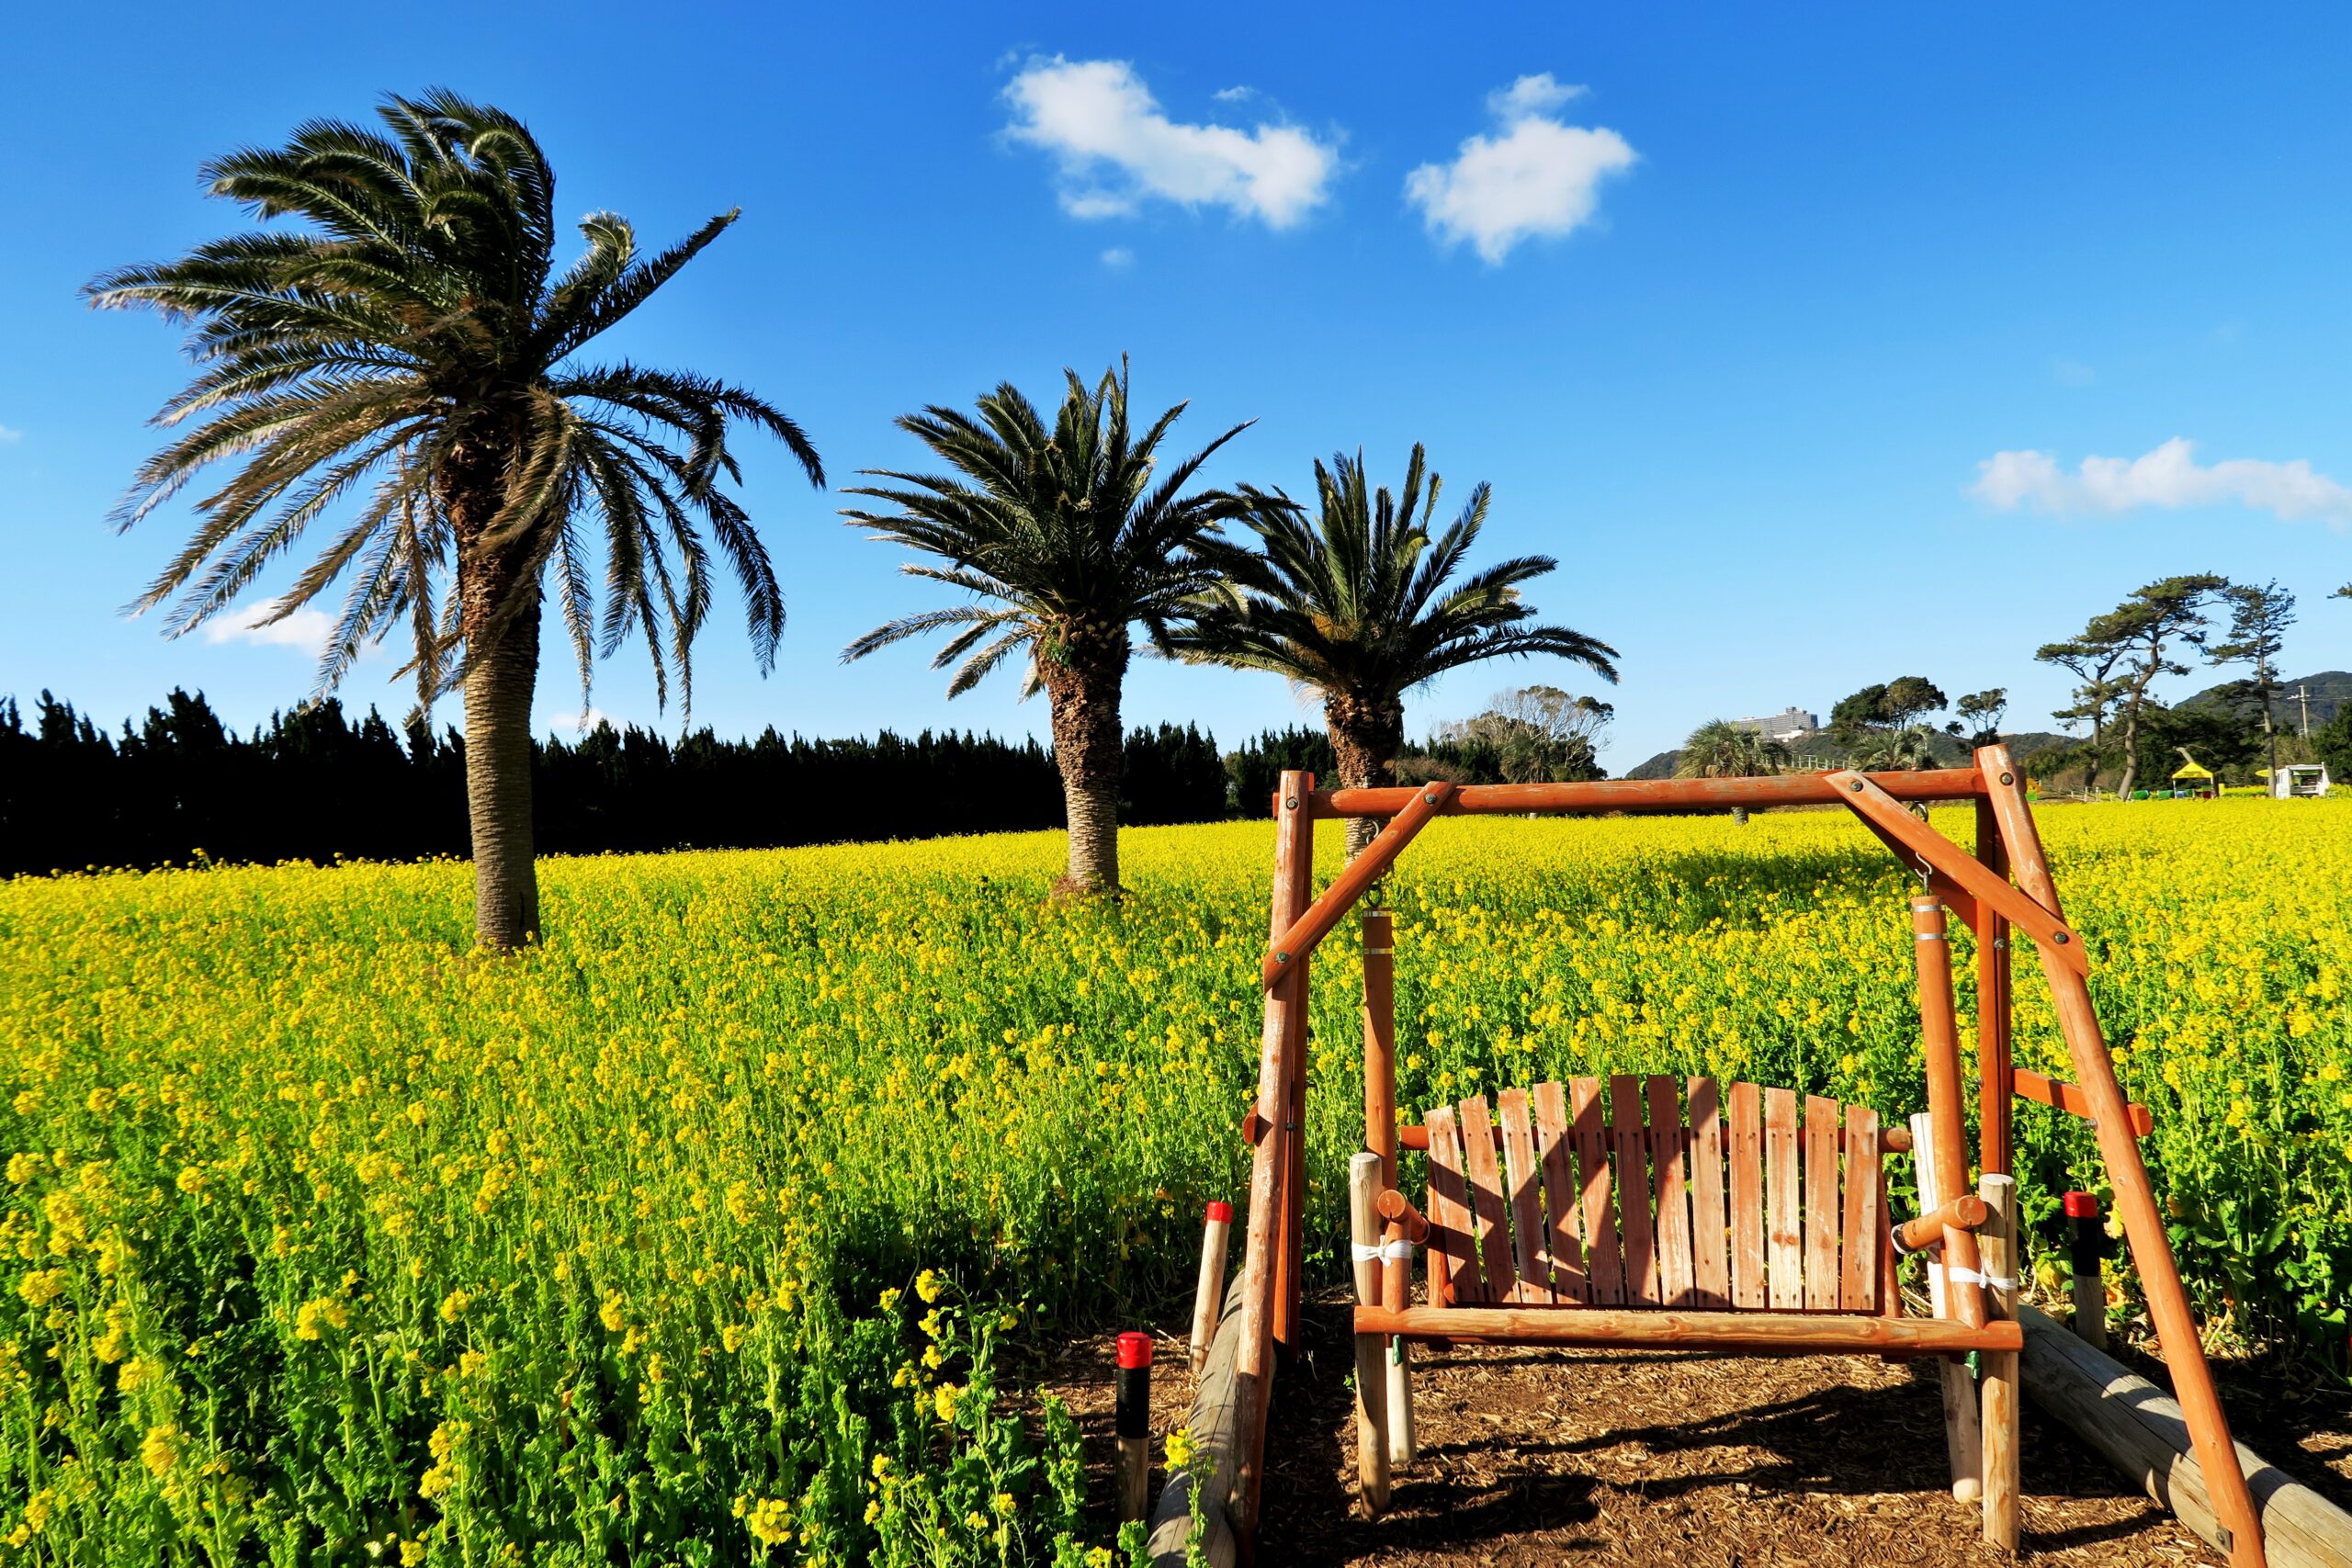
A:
<point x="1291" y="945"/>
<point x="2139" y="1430"/>
<point x="1875" y="805"/>
<point x="1965" y="1212"/>
<point x="1753" y="1333"/>
<point x="1265" y="1258"/>
<point x="2067" y="1097"/>
<point x="2127" y="1173"/>
<point x="1995" y="1075"/>
<point x="1650" y="795"/>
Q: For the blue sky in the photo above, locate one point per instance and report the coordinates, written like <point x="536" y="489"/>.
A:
<point x="1731" y="312"/>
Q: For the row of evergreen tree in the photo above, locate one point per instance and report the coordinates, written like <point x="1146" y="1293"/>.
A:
<point x="314" y="785"/>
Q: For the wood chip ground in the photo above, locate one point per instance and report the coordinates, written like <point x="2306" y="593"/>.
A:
<point x="1539" y="1457"/>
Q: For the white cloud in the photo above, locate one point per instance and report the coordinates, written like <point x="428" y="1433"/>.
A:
<point x="10" y="437"/>
<point x="2170" y="477"/>
<point x="1533" y="94"/>
<point x="1536" y="176"/>
<point x="306" y="628"/>
<point x="1116" y="149"/>
<point x="1234" y="94"/>
<point x="1118" y="258"/>
<point x="582" y="722"/>
<point x="2072" y="373"/>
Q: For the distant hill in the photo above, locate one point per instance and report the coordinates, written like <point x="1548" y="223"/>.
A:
<point x="2329" y="690"/>
<point x="1822" y="749"/>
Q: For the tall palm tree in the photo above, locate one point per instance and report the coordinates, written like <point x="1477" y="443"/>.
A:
<point x="1065" y="541"/>
<point x="1355" y="604"/>
<point x="413" y="349"/>
<point x="1722" y="750"/>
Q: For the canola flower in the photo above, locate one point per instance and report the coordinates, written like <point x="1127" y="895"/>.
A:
<point x="321" y="1229"/>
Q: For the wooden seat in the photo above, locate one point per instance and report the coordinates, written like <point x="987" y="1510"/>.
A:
<point x="1648" y="1193"/>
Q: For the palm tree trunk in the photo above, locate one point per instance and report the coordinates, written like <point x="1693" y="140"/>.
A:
<point x="2130" y="752"/>
<point x="1366" y="735"/>
<point x="499" y="681"/>
<point x="1082" y="685"/>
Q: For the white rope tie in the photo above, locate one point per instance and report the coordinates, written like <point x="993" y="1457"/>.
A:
<point x="1399" y="1251"/>
<point x="1959" y="1276"/>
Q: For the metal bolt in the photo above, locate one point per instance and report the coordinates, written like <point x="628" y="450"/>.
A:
<point x="1291" y="803"/>
<point x="1429" y="800"/>
<point x="1282" y="957"/>
<point x="2060" y="938"/>
<point x="2009" y="778"/>
<point x="1856" y="786"/>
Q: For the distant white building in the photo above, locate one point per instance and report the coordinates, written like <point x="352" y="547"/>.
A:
<point x="1786" y="724"/>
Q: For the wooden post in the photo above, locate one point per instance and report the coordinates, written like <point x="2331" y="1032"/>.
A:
<point x="1216" y="1227"/>
<point x="1963" y="1441"/>
<point x="1265" y="1238"/>
<point x="1364" y="1187"/>
<point x="1380" y="1137"/>
<point x="2135" y="1196"/>
<point x="2087" y="1251"/>
<point x="2000" y="1380"/>
<point x="1940" y="1027"/>
<point x="1994" y="1074"/>
<point x="1131" y="1415"/>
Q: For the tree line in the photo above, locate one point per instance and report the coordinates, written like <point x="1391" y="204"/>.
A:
<point x="411" y="358"/>
<point x="313" y="783"/>
<point x="2126" y="732"/>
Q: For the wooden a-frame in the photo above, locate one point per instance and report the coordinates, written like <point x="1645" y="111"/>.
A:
<point x="2004" y="886"/>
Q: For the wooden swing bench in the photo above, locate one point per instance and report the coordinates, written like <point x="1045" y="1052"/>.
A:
<point x="1659" y="1213"/>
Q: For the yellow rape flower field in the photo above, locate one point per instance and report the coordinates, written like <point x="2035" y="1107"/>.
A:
<point x="699" y="1233"/>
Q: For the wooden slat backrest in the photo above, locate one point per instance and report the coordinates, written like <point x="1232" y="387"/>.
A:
<point x="1783" y="1230"/>
<point x="1603" y="1249"/>
<point x="1487" y="1205"/>
<point x="1606" y="1194"/>
<point x="1453" y="1267"/>
<point x="1524" y="1181"/>
<point x="1709" y="1278"/>
<point x="1823" y="1255"/>
<point x="1635" y="1210"/>
<point x="1748" y="1197"/>
<point x="1669" y="1165"/>
<point x="1562" y="1197"/>
<point x="1858" y="1285"/>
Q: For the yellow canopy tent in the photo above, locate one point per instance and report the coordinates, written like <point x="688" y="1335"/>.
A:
<point x="2193" y="776"/>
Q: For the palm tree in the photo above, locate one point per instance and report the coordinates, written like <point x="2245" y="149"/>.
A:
<point x="412" y="348"/>
<point x="1355" y="604"/>
<point x="1066" y="541"/>
<point x="1722" y="750"/>
<point x="1895" y="750"/>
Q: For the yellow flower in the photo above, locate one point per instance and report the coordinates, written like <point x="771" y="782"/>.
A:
<point x="190" y="1179"/>
<point x="730" y="1338"/>
<point x="609" y="1314"/>
<point x="454" y="1306"/>
<point x="161" y="1451"/>
<point x="873" y="1512"/>
<point x="927" y="1285"/>
<point x="23" y="1168"/>
<point x="977" y="1519"/>
<point x="411" y="1553"/>
<point x="1179" y="1448"/>
<point x="943" y="1401"/>
<point x="320" y="1314"/>
<point x="1098" y="1557"/>
<point x="1005" y="1503"/>
<point x="42" y="1286"/>
<point x="890" y="1297"/>
<point x="881" y="1466"/>
<point x="770" y="1521"/>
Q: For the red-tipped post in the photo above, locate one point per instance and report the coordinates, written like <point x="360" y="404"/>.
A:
<point x="1131" y="1417"/>
<point x="1208" y="1296"/>
<point x="2086" y="1249"/>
